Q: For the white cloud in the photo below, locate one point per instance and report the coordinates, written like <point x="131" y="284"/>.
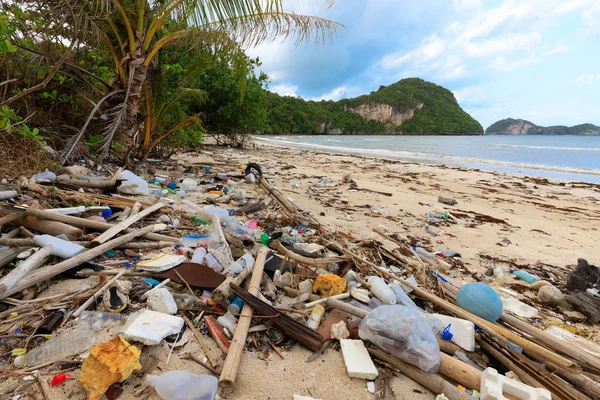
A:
<point x="502" y="44"/>
<point x="586" y="79"/>
<point x="469" y="94"/>
<point x="504" y="65"/>
<point x="462" y="5"/>
<point x="285" y="89"/>
<point x="559" y="48"/>
<point x="431" y="47"/>
<point x="335" y="94"/>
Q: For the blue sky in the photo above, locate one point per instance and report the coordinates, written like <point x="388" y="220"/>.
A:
<point x="532" y="59"/>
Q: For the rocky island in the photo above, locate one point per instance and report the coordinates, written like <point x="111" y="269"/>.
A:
<point x="510" y="126"/>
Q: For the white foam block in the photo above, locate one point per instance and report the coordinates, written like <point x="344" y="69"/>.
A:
<point x="151" y="327"/>
<point x="493" y="385"/>
<point x="463" y="331"/>
<point x="357" y="359"/>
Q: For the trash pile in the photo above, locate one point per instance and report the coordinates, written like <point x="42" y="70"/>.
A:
<point x="216" y="249"/>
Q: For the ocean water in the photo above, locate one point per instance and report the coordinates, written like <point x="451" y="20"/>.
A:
<point x="574" y="158"/>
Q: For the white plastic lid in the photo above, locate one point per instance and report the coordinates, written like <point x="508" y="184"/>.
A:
<point x="19" y="362"/>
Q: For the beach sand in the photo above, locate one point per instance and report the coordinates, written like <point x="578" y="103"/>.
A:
<point x="516" y="220"/>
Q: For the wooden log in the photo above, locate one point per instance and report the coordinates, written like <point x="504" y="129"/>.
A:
<point x="7" y="219"/>
<point x="238" y="240"/>
<point x="236" y="348"/>
<point x="309" y="338"/>
<point x="53" y="228"/>
<point x="48" y="272"/>
<point x="251" y="208"/>
<point x="116" y="229"/>
<point x="587" y="304"/>
<point x="45" y="389"/>
<point x="87" y="223"/>
<point x="315" y="262"/>
<point x="146" y="245"/>
<point x="17" y="242"/>
<point x="8" y="254"/>
<point x="433" y="382"/>
<point x="281" y="199"/>
<point x="93" y="184"/>
<point x="222" y="292"/>
<point x="189" y="356"/>
<point x="337" y="297"/>
<point x="135" y="209"/>
<point x="200" y="340"/>
<point x="21" y="270"/>
<point x="223" y="256"/>
<point x="295" y="293"/>
<point x="99" y="293"/>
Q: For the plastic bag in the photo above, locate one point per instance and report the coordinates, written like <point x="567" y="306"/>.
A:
<point x="402" y="332"/>
<point x="437" y="326"/>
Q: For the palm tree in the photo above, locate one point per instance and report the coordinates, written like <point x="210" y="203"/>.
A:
<point x="135" y="31"/>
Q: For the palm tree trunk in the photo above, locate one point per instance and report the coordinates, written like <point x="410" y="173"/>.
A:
<point x="126" y="132"/>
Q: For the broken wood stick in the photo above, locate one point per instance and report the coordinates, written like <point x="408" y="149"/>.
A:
<point x="53" y="228"/>
<point x="309" y="338"/>
<point x="7" y="219"/>
<point x="116" y="229"/>
<point x="281" y="199"/>
<point x="96" y="295"/>
<point x="236" y="348"/>
<point x="251" y="208"/>
<point x="48" y="272"/>
<point x="190" y="356"/>
<point x="222" y="292"/>
<point x="200" y="340"/>
<point x="433" y="382"/>
<point x="85" y="223"/>
<point x="34" y="261"/>
<point x="146" y="245"/>
<point x="26" y="242"/>
<point x="315" y="262"/>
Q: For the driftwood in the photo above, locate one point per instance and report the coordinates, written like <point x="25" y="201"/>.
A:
<point x="309" y="338"/>
<point x="236" y="348"/>
<point x="238" y="240"/>
<point x="285" y="203"/>
<point x="121" y="226"/>
<point x="587" y="304"/>
<point x="51" y="271"/>
<point x="315" y="262"/>
<point x="190" y="356"/>
<point x="93" y="184"/>
<point x="85" y="223"/>
<point x="34" y="261"/>
<point x="8" y="254"/>
<point x="251" y="208"/>
<point x="99" y="293"/>
<point x="222" y="292"/>
<point x="53" y="228"/>
<point x="433" y="382"/>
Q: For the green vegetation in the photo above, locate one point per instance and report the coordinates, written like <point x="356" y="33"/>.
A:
<point x="510" y="126"/>
<point x="440" y="112"/>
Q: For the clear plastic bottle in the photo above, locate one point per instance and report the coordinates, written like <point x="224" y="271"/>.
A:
<point x="218" y="211"/>
<point x="425" y="255"/>
<point x="211" y="262"/>
<point x="499" y="275"/>
<point x="199" y="255"/>
<point x="432" y="230"/>
<point x="60" y="347"/>
<point x="183" y="385"/>
<point x="381" y="290"/>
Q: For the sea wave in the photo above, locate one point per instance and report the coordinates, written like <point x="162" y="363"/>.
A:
<point x="518" y="146"/>
<point x="433" y="158"/>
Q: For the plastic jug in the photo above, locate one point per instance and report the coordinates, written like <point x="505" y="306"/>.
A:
<point x="381" y="290"/>
<point x="183" y="385"/>
<point x="199" y="255"/>
<point x="131" y="179"/>
<point x="60" y="248"/>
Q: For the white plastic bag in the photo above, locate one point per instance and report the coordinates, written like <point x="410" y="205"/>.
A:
<point x="402" y="332"/>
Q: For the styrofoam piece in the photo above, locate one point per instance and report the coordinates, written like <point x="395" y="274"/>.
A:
<point x="161" y="263"/>
<point x="463" y="331"/>
<point x="357" y="359"/>
<point x="161" y="300"/>
<point x="493" y="385"/>
<point x="151" y="327"/>
<point x="518" y="307"/>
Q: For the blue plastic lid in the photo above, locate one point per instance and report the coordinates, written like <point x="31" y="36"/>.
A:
<point x="446" y="334"/>
<point x="107" y="213"/>
<point x="151" y="282"/>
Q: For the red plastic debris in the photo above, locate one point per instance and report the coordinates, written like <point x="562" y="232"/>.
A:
<point x="59" y="378"/>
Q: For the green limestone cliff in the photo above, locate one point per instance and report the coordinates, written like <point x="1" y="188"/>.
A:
<point x="510" y="126"/>
<point x="410" y="106"/>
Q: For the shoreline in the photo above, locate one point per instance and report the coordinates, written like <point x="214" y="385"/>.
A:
<point x="357" y="153"/>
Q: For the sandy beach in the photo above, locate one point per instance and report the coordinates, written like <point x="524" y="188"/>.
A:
<point x="502" y="220"/>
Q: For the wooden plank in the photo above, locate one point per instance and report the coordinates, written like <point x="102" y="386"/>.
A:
<point x="121" y="226"/>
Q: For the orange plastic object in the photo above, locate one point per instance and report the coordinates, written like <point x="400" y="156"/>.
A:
<point x="108" y="362"/>
<point x="329" y="285"/>
<point x="216" y="331"/>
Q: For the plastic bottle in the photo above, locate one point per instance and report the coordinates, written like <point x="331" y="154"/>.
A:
<point x="499" y="275"/>
<point x="211" y="262"/>
<point x="235" y="307"/>
<point x="48" y="176"/>
<point x="228" y="321"/>
<point x="183" y="385"/>
<point x="381" y="290"/>
<point x="425" y="255"/>
<point x="186" y="301"/>
<point x="526" y="276"/>
<point x="59" y="348"/>
<point x="208" y="211"/>
<point x="433" y="230"/>
<point x="138" y="185"/>
<point x="201" y="221"/>
<point x="199" y="255"/>
<point x="192" y="240"/>
<point x="60" y="248"/>
<point x="245" y="262"/>
<point x="315" y="317"/>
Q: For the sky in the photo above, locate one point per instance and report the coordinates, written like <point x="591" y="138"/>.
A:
<point x="533" y="59"/>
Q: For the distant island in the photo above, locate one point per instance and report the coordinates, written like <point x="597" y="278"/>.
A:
<point x="510" y="126"/>
<point x="408" y="107"/>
